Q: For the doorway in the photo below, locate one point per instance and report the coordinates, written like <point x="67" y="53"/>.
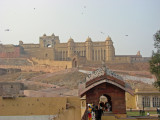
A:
<point x="105" y="102"/>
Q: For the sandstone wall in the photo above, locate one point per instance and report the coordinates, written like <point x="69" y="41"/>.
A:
<point x="32" y="106"/>
<point x="42" y="53"/>
<point x="42" y="106"/>
<point x="10" y="88"/>
<point x="15" y="61"/>
<point x="130" y="101"/>
<point x="34" y="68"/>
<point x="122" y="59"/>
<point x="10" y="52"/>
<point x="62" y="64"/>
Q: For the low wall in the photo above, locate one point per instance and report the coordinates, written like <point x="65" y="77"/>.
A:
<point x="32" y="106"/>
<point x="33" y="117"/>
<point x="73" y="112"/>
<point x="40" y="107"/>
<point x="62" y="64"/>
<point x="15" y="61"/>
<point x="34" y="68"/>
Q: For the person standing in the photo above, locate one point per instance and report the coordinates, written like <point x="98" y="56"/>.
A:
<point x="93" y="111"/>
<point x="98" y="113"/>
<point x="89" y="112"/>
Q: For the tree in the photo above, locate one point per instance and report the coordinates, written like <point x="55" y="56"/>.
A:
<point x="155" y="59"/>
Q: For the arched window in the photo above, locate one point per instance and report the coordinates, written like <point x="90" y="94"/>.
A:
<point x="156" y="101"/>
<point x="49" y="45"/>
<point x="146" y="101"/>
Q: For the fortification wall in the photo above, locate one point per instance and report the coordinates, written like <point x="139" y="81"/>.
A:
<point x="10" y="70"/>
<point x="35" y="68"/>
<point x="140" y="59"/>
<point x="121" y="59"/>
<point x="15" y="61"/>
<point x="10" y="52"/>
<point x="61" y="64"/>
<point x="42" y="53"/>
<point x="25" y="46"/>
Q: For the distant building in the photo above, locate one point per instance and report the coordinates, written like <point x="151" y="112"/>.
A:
<point x="10" y="51"/>
<point x="49" y="47"/>
<point x="143" y="99"/>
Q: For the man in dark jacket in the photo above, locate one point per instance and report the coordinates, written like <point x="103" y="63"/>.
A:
<point x="98" y="113"/>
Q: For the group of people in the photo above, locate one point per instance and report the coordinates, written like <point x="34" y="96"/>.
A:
<point x="95" y="112"/>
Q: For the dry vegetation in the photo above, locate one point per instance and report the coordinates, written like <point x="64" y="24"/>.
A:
<point x="69" y="80"/>
<point x="18" y="76"/>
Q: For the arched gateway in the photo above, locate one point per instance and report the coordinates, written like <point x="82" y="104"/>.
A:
<point x="105" y="82"/>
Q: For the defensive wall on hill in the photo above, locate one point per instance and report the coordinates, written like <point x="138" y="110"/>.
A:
<point x="62" y="64"/>
<point x="34" y="68"/>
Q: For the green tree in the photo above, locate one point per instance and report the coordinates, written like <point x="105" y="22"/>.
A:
<point x="155" y="59"/>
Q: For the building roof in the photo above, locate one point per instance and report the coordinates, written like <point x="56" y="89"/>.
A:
<point x="103" y="75"/>
<point x="70" y="40"/>
<point x="108" y="38"/>
<point x="88" y="39"/>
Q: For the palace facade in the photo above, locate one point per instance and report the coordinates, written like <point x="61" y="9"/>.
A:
<point x="49" y="47"/>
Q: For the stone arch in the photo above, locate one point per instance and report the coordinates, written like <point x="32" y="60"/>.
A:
<point x="109" y="101"/>
<point x="74" y="62"/>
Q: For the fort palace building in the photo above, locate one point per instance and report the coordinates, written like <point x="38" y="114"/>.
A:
<point x="50" y="47"/>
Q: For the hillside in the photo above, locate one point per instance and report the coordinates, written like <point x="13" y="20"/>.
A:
<point x="66" y="81"/>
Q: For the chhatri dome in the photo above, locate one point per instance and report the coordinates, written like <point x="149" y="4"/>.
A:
<point x="70" y="40"/>
<point x="88" y="39"/>
<point x="108" y="38"/>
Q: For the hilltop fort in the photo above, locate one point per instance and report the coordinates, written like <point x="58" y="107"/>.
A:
<point x="50" y="48"/>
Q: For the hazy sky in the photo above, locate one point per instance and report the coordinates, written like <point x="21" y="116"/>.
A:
<point x="27" y="20"/>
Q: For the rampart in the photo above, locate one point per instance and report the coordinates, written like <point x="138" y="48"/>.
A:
<point x="15" y="61"/>
<point x="9" y="70"/>
<point x="61" y="64"/>
<point x="34" y="68"/>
